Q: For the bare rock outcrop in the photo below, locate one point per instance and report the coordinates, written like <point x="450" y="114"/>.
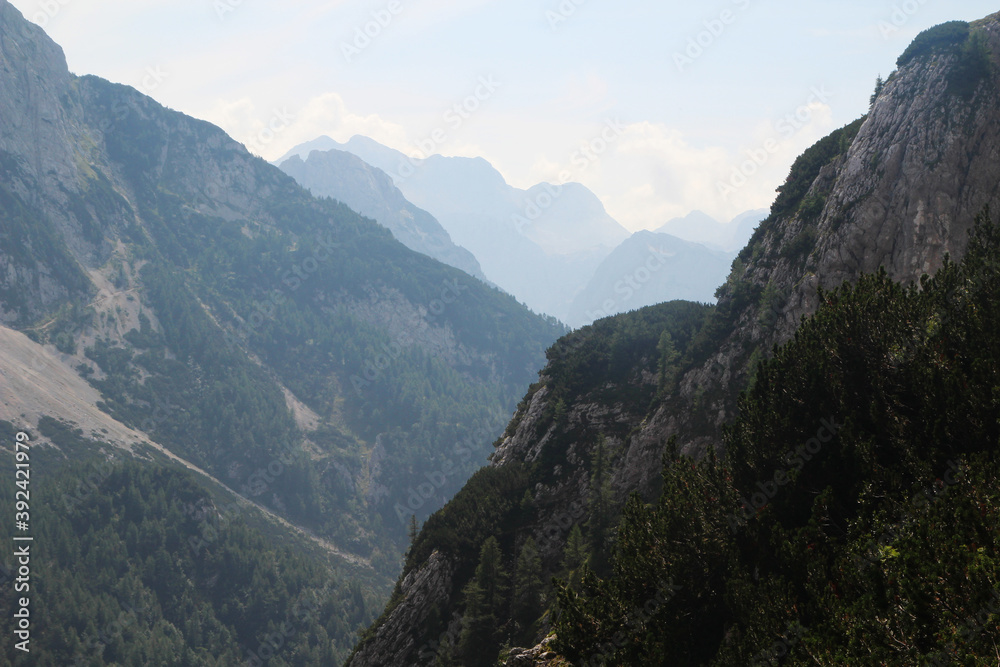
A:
<point x="393" y="642"/>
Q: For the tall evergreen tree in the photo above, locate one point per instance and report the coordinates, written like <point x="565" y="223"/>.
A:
<point x="600" y="506"/>
<point x="575" y="556"/>
<point x="668" y="360"/>
<point x="485" y="601"/>
<point x="528" y="587"/>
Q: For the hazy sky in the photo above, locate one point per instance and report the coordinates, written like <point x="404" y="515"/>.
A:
<point x="673" y="99"/>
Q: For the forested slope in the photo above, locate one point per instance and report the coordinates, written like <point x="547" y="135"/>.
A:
<point x="284" y="344"/>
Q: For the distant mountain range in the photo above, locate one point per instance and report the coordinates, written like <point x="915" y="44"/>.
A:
<point x="554" y="247"/>
<point x="650" y="268"/>
<point x="702" y="228"/>
<point x="370" y="191"/>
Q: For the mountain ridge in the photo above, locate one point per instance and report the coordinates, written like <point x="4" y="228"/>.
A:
<point x="557" y="255"/>
<point x="869" y="180"/>
<point x="540" y="245"/>
<point x="369" y="191"/>
<point x="650" y="268"/>
<point x="699" y="227"/>
<point x="287" y="346"/>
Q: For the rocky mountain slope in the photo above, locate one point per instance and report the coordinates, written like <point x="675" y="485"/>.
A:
<point x="899" y="188"/>
<point x="285" y="345"/>
<point x="369" y="191"/>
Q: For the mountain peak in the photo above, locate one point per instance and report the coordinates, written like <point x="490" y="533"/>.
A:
<point x="541" y="244"/>
<point x="699" y="227"/>
<point x="368" y="190"/>
<point x="323" y="143"/>
<point x="24" y="38"/>
<point x="32" y="64"/>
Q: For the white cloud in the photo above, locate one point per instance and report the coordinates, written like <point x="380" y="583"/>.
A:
<point x="558" y="89"/>
<point x="654" y="172"/>
<point x="272" y="132"/>
<point x="465" y="150"/>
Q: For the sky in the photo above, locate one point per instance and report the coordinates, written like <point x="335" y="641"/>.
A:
<point x="659" y="107"/>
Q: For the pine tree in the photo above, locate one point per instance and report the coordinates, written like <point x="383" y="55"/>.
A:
<point x="527" y="586"/>
<point x="485" y="598"/>
<point x="668" y="358"/>
<point x="879" y="84"/>
<point x="490" y="574"/>
<point x="575" y="556"/>
<point x="600" y="506"/>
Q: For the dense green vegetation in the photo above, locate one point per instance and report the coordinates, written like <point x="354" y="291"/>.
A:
<point x="405" y="360"/>
<point x="854" y="518"/>
<point x="499" y="582"/>
<point x="972" y="68"/>
<point x="611" y="349"/>
<point x="253" y="299"/>
<point x="958" y="38"/>
<point x="792" y="193"/>
<point x="142" y="566"/>
<point x="944" y="37"/>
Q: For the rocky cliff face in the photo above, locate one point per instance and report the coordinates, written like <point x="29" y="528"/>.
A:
<point x="898" y="189"/>
<point x="902" y="195"/>
<point x="38" y="135"/>
<point x="394" y="641"/>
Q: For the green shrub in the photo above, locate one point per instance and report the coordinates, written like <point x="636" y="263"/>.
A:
<point x="801" y="245"/>
<point x="806" y="168"/>
<point x="944" y="37"/>
<point x="811" y="207"/>
<point x="972" y="67"/>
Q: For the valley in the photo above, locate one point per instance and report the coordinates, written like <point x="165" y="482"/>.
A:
<point x="354" y="407"/>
